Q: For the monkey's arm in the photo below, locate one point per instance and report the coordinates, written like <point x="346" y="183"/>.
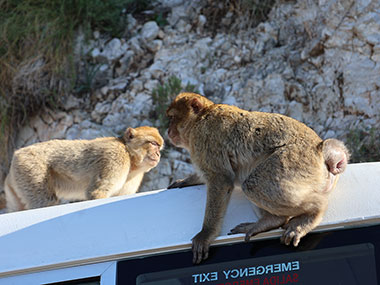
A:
<point x="192" y="180"/>
<point x="132" y="185"/>
<point x="219" y="189"/>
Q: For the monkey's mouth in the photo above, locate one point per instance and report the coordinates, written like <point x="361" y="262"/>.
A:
<point x="152" y="160"/>
<point x="175" y="140"/>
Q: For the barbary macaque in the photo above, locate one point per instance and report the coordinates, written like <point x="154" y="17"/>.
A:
<point x="43" y="173"/>
<point x="281" y="165"/>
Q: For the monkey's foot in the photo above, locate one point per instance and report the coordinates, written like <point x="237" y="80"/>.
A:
<point x="293" y="233"/>
<point x="249" y="229"/>
<point x="241" y="228"/>
<point x="265" y="223"/>
<point x="299" y="226"/>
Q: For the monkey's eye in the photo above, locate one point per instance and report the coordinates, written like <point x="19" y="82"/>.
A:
<point x="171" y="117"/>
<point x="154" y="143"/>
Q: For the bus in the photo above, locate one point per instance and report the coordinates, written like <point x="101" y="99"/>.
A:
<point x="146" y="239"/>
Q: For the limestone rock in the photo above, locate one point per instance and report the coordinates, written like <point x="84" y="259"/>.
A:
<point x="149" y="31"/>
<point x="316" y="61"/>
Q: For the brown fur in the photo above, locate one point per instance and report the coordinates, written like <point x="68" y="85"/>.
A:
<point x="281" y="165"/>
<point x="43" y="173"/>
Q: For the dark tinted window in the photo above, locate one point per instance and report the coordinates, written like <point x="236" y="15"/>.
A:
<point x="349" y="256"/>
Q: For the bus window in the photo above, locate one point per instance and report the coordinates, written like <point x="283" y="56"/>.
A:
<point x="347" y="256"/>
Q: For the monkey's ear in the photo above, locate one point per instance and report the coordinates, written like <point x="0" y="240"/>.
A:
<point x="129" y="134"/>
<point x="197" y="105"/>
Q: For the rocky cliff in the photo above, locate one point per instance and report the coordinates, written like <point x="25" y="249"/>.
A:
<point x="316" y="60"/>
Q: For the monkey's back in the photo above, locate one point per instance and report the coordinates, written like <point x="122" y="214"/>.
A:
<point x="73" y="157"/>
<point x="230" y="129"/>
<point x="269" y="151"/>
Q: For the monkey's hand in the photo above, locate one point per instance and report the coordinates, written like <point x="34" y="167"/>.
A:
<point x="192" y="180"/>
<point x="179" y="183"/>
<point x="200" y="247"/>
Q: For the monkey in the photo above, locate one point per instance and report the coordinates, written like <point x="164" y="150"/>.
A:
<point x="280" y="164"/>
<point x="43" y="173"/>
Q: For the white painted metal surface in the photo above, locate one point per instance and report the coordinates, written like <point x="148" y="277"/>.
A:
<point x="106" y="271"/>
<point x="114" y="228"/>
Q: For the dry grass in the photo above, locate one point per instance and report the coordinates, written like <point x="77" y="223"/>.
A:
<point x="235" y="15"/>
<point x="37" y="64"/>
<point x="33" y="63"/>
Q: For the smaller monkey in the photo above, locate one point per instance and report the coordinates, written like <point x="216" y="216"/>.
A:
<point x="281" y="165"/>
<point x="43" y="173"/>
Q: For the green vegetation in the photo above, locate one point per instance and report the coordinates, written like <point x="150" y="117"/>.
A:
<point x="86" y="85"/>
<point x="160" y="19"/>
<point x="37" y="64"/>
<point x="162" y="96"/>
<point x="364" y="144"/>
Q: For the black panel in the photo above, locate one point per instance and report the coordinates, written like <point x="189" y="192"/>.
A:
<point x="83" y="281"/>
<point x="348" y="256"/>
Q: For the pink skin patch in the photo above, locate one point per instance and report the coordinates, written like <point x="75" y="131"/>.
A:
<point x="338" y="167"/>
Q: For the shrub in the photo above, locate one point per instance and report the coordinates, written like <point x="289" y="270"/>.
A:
<point x="163" y="95"/>
<point x="36" y="53"/>
<point x="364" y="144"/>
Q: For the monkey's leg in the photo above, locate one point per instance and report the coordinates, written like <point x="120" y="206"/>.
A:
<point x="40" y="201"/>
<point x="107" y="183"/>
<point x="39" y="194"/>
<point x="13" y="201"/>
<point x="99" y="190"/>
<point x="299" y="226"/>
<point x="265" y="223"/>
<point x="33" y="187"/>
<point x="219" y="189"/>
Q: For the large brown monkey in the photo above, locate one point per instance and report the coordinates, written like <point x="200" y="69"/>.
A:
<point x="43" y="173"/>
<point x="282" y="166"/>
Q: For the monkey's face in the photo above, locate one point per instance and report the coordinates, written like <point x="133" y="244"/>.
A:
<point x="183" y="113"/>
<point x="153" y="155"/>
<point x="147" y="144"/>
<point x="178" y="115"/>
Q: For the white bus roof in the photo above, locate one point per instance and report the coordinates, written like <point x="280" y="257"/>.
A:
<point x="163" y="220"/>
